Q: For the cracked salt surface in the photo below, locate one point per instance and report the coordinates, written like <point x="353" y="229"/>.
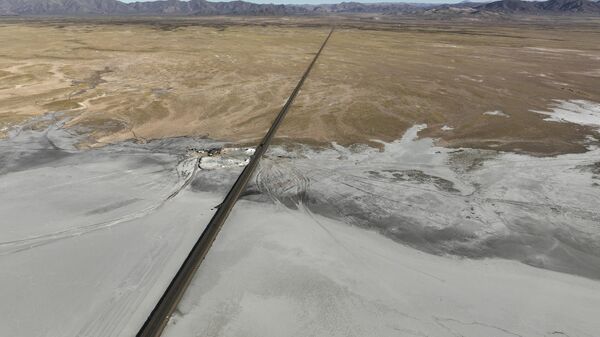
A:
<point x="506" y="245"/>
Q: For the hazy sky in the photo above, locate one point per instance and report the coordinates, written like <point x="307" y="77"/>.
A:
<point x="327" y="1"/>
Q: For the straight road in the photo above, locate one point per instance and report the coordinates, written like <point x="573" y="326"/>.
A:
<point x="158" y="319"/>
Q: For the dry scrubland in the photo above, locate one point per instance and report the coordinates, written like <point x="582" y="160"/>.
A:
<point x="226" y="78"/>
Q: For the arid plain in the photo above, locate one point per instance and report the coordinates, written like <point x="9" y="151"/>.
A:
<point x="432" y="178"/>
<point x="225" y="78"/>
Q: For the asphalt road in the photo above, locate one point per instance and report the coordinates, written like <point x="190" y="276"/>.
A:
<point x="159" y="317"/>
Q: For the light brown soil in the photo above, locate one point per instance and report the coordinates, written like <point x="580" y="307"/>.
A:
<point x="227" y="78"/>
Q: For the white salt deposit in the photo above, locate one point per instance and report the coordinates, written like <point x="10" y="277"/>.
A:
<point x="496" y="113"/>
<point x="574" y="111"/>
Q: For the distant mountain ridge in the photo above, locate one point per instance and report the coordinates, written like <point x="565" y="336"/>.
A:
<point x="166" y="7"/>
<point x="556" y="6"/>
<point x="203" y="7"/>
<point x="358" y="7"/>
<point x="51" y="7"/>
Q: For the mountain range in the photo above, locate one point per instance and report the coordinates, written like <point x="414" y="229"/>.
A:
<point x="203" y="7"/>
<point x="542" y="6"/>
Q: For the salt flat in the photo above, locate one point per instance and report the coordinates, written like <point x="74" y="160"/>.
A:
<point x="473" y="203"/>
<point x="325" y="242"/>
<point x="280" y="272"/>
<point x="506" y="245"/>
<point x="91" y="239"/>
